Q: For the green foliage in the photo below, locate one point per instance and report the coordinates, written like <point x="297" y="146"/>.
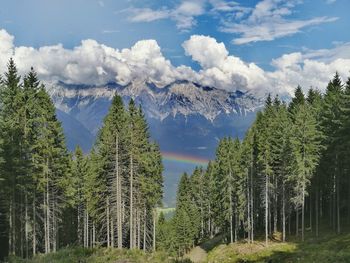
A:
<point x="329" y="248"/>
<point x="98" y="255"/>
<point x="108" y="197"/>
<point x="294" y="158"/>
<point x="289" y="172"/>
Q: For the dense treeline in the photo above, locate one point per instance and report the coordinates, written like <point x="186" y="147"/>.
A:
<point x="289" y="174"/>
<point x="50" y="198"/>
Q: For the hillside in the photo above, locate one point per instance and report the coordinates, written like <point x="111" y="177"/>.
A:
<point x="328" y="248"/>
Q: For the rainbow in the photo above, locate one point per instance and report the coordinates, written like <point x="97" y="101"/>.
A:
<point x="183" y="158"/>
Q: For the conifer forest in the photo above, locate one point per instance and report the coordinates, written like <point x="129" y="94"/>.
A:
<point x="51" y="198"/>
<point x="288" y="178"/>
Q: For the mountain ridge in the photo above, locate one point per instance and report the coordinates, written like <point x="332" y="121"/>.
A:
<point x="179" y="97"/>
<point x="184" y="117"/>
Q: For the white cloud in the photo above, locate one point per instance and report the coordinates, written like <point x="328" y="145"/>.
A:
<point x="341" y="50"/>
<point x="267" y="21"/>
<point x="330" y="1"/>
<point x="96" y="64"/>
<point x="206" y="51"/>
<point x="313" y="68"/>
<point x="110" y="31"/>
<point x="148" y="15"/>
<point x="6" y="47"/>
<point x="184" y="14"/>
<point x="90" y="62"/>
<point x="222" y="70"/>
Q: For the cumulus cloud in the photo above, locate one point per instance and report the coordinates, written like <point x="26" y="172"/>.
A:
<point x="310" y="69"/>
<point x="222" y="70"/>
<point x="90" y="62"/>
<point x="267" y="21"/>
<point x="96" y="64"/>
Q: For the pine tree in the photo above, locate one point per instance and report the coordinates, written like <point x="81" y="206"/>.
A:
<point x="11" y="96"/>
<point x="298" y="99"/>
<point x="187" y="217"/>
<point x="305" y="141"/>
<point x="264" y="158"/>
<point x="331" y="127"/>
<point x="76" y="194"/>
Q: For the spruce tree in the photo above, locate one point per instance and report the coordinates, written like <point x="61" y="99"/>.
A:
<point x="305" y="141"/>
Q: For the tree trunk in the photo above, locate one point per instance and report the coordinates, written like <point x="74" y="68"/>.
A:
<point x="48" y="214"/>
<point x="34" y="226"/>
<point x="266" y="208"/>
<point x="79" y="225"/>
<point x="303" y="214"/>
<point x="316" y="212"/>
<point x="54" y="229"/>
<point x="119" y="195"/>
<point x="236" y="226"/>
<point x="334" y="203"/>
<point x="112" y="230"/>
<point x="108" y="223"/>
<point x="310" y="212"/>
<point x="154" y="229"/>
<point x="338" y="203"/>
<point x="93" y="234"/>
<point x="297" y="222"/>
<point x="131" y="202"/>
<point x="248" y="209"/>
<point x="144" y="230"/>
<point x="10" y="228"/>
<point x="252" y="200"/>
<point x="87" y="228"/>
<point x="135" y="227"/>
<point x="289" y="221"/>
<point x="283" y="213"/>
<point x="138" y="229"/>
<point x="209" y="222"/>
<point x="320" y="205"/>
<point x="275" y="217"/>
<point x="26" y="225"/>
<point x="45" y="221"/>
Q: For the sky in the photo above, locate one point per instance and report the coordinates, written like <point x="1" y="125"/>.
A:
<point x="252" y="45"/>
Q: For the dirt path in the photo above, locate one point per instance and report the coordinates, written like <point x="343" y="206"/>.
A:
<point x="199" y="253"/>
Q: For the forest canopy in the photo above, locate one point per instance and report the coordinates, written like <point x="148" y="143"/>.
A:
<point x="288" y="175"/>
<point x="51" y="198"/>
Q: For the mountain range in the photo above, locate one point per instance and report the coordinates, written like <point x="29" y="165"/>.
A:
<point x="184" y="117"/>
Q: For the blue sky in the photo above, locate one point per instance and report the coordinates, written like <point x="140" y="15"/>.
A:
<point x="256" y="31"/>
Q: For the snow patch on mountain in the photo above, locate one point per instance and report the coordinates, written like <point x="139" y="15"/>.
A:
<point x="180" y="97"/>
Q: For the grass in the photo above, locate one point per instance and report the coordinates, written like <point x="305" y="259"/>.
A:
<point x="244" y="252"/>
<point x="328" y="248"/>
<point x="100" y="255"/>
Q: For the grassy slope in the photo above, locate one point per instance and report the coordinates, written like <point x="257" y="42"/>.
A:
<point x="102" y="255"/>
<point x="330" y="248"/>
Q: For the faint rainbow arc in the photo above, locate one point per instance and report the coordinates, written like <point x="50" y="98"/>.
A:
<point x="184" y="158"/>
